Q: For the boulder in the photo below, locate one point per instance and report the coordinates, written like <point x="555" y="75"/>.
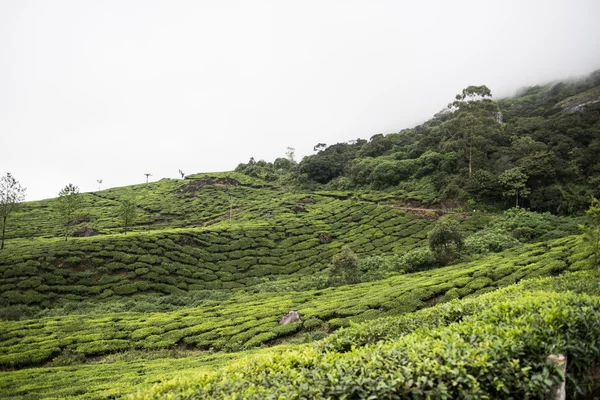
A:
<point x="299" y="208"/>
<point x="324" y="238"/>
<point x="290" y="318"/>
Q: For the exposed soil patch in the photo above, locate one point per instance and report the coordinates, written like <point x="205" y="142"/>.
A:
<point x="197" y="184"/>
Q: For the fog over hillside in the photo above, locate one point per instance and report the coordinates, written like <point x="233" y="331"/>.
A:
<point x="112" y="90"/>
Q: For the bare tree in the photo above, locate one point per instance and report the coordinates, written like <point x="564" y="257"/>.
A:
<point x="99" y="183"/>
<point x="11" y="194"/>
<point x="147" y="175"/>
<point x="182" y="174"/>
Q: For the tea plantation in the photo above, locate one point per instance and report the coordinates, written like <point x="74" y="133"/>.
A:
<point x="214" y="261"/>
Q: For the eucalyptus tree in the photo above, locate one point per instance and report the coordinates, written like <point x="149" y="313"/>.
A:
<point x="474" y="127"/>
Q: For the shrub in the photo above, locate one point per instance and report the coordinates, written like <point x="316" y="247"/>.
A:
<point x="415" y="260"/>
<point x="487" y="241"/>
<point x="344" y="268"/>
<point x="524" y="225"/>
<point x="445" y="240"/>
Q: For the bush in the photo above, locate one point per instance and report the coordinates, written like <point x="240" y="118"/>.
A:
<point x="415" y="260"/>
<point x="344" y="268"/>
<point x="495" y="350"/>
<point x="445" y="241"/>
<point x="524" y="225"/>
<point x="488" y="241"/>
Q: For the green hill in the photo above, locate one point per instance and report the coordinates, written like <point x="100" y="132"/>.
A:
<point x="194" y="289"/>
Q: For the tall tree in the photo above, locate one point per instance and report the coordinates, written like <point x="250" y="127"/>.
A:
<point x="69" y="204"/>
<point x="474" y="125"/>
<point x="11" y="194"/>
<point x="127" y="213"/>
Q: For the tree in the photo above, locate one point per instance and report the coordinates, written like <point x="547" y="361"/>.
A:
<point x="11" y="194"/>
<point x="474" y="126"/>
<point x="591" y="231"/>
<point x="147" y="175"/>
<point x="69" y="203"/>
<point x="319" y="147"/>
<point x="514" y="182"/>
<point x="344" y="268"/>
<point x="291" y="154"/>
<point x="182" y="174"/>
<point x="127" y="212"/>
<point x="99" y="183"/>
<point x="445" y="240"/>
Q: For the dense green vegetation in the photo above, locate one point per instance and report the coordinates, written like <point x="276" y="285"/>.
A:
<point x="538" y="149"/>
<point x="400" y="253"/>
<point x="493" y="346"/>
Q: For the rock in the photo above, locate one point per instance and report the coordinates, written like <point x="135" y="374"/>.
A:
<point x="290" y="318"/>
<point x="324" y="238"/>
<point x="307" y="200"/>
<point x="299" y="208"/>
<point x="85" y="232"/>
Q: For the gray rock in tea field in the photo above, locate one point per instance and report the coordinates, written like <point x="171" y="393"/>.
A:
<point x="290" y="317"/>
<point x="299" y="208"/>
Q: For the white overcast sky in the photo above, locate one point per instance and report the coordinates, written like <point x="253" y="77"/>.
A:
<point x="114" y="89"/>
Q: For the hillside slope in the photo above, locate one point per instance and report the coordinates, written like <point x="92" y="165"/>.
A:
<point x="213" y="261"/>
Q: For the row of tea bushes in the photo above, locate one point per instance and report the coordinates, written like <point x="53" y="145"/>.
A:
<point x="497" y="351"/>
<point x="223" y="256"/>
<point x="248" y="320"/>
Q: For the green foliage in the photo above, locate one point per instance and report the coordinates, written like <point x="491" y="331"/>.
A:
<point x="418" y="259"/>
<point x="591" y="231"/>
<point x="501" y="342"/>
<point x="526" y="226"/>
<point x="344" y="268"/>
<point x="445" y="241"/>
<point x="514" y="182"/>
<point x="11" y="194"/>
<point x="68" y="205"/>
<point x="489" y="241"/>
<point x="214" y="260"/>
<point x="127" y="212"/>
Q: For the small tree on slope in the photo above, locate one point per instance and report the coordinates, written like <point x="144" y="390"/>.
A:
<point x="344" y="268"/>
<point x="69" y="203"/>
<point x="127" y="212"/>
<point x="11" y="194"/>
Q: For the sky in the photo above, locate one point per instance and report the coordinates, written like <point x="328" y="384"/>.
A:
<point x="115" y="89"/>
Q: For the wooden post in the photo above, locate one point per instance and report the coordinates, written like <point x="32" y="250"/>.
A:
<point x="559" y="392"/>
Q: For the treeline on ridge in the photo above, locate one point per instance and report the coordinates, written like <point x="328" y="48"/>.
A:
<point x="538" y="149"/>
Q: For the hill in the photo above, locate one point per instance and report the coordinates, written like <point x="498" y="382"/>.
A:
<point x="437" y="267"/>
